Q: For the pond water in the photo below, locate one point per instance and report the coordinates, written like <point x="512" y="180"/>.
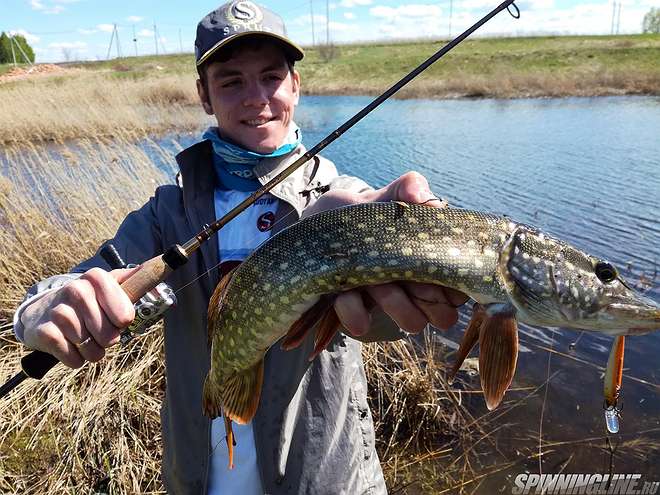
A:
<point x="584" y="169"/>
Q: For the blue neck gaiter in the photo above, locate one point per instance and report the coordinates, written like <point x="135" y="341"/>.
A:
<point x="234" y="165"/>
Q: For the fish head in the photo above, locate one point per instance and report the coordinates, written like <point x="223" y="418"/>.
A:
<point x="551" y="283"/>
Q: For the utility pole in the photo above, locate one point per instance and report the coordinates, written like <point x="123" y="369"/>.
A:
<point x="112" y="37"/>
<point x="311" y="15"/>
<point x="156" y="38"/>
<point x="27" y="59"/>
<point x="618" y="20"/>
<point x="135" y="41"/>
<point x="613" y="15"/>
<point x="119" y="52"/>
<point x="327" y="22"/>
<point x="13" y="53"/>
<point x="451" y="11"/>
<point x="180" y="42"/>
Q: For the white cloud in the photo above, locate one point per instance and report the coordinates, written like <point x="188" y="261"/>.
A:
<point x="86" y="32"/>
<point x="30" y="38"/>
<point x="411" y="10"/>
<point x="146" y="32"/>
<point x="349" y="15"/>
<point x="352" y="3"/>
<point x="55" y="9"/>
<point x="134" y="18"/>
<point x="106" y="28"/>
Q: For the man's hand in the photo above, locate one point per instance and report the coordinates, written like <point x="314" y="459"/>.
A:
<point x="77" y="322"/>
<point x="411" y="305"/>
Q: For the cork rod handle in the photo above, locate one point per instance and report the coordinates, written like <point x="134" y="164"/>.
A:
<point x="148" y="276"/>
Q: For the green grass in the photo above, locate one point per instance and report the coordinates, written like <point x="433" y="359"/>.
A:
<point x="614" y="62"/>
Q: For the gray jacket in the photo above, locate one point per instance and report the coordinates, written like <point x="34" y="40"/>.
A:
<point x="313" y="430"/>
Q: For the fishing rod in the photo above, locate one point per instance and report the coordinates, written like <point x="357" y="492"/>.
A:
<point x="153" y="272"/>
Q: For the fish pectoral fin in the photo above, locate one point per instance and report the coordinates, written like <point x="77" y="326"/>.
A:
<point x="498" y="355"/>
<point x="325" y="331"/>
<point x="231" y="442"/>
<point x="470" y="338"/>
<point x="217" y="301"/>
<point x="306" y="322"/>
<point x="239" y="394"/>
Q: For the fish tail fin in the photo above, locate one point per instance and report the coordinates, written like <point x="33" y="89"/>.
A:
<point x="231" y="442"/>
<point x="498" y="355"/>
<point x="239" y="394"/>
<point x="470" y="338"/>
<point x="217" y="302"/>
<point x="322" y="311"/>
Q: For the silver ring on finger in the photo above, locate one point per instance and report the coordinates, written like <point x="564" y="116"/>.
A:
<point x="83" y="343"/>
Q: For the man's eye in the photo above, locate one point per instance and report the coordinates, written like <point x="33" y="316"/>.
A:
<point x="230" y="84"/>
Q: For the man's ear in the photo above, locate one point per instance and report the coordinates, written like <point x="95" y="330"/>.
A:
<point x="295" y="80"/>
<point x="204" y="97"/>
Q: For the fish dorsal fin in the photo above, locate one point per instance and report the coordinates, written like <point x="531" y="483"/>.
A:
<point x="217" y="301"/>
<point x="239" y="394"/>
<point x="498" y="354"/>
<point x="320" y="312"/>
<point x="470" y="338"/>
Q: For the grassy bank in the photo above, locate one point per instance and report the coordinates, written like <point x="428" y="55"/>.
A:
<point x="145" y="95"/>
<point x="97" y="429"/>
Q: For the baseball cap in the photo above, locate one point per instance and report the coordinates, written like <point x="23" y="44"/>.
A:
<point x="238" y="19"/>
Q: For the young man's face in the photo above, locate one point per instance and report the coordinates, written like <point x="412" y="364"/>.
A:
<point x="253" y="96"/>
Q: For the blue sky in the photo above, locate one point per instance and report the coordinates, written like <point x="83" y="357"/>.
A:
<point x="82" y="29"/>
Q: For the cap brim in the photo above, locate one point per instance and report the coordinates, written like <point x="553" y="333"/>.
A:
<point x="294" y="49"/>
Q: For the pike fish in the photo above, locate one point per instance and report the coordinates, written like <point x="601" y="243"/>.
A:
<point x="512" y="271"/>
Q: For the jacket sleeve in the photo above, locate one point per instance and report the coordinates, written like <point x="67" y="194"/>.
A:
<point x="137" y="239"/>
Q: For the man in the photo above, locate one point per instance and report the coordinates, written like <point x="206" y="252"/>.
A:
<point x="313" y="431"/>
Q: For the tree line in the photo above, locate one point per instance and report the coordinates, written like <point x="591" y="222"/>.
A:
<point x="21" y="49"/>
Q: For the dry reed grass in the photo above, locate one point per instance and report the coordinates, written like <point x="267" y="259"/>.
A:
<point x="97" y="429"/>
<point x="97" y="105"/>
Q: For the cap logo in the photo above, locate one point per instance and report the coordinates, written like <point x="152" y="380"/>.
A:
<point x="245" y="12"/>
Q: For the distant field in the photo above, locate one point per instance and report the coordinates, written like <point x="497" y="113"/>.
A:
<point x="155" y="93"/>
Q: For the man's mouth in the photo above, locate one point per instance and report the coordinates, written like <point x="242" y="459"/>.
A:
<point x="257" y="122"/>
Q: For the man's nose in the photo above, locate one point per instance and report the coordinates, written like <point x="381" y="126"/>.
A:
<point x="256" y="94"/>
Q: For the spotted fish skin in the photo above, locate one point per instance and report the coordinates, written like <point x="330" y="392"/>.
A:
<point x="492" y="259"/>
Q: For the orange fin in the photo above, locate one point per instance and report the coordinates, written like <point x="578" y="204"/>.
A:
<point x="231" y="443"/>
<point x="237" y="397"/>
<point x="307" y="320"/>
<point x="470" y="338"/>
<point x="216" y="303"/>
<point x="326" y="330"/>
<point x="498" y="355"/>
<point x="614" y="371"/>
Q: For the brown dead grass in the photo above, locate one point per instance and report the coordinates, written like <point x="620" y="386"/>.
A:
<point x="97" y="429"/>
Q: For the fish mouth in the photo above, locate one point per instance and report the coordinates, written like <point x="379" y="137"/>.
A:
<point x="637" y="315"/>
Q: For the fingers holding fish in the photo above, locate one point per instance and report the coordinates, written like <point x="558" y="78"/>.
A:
<point x="398" y="305"/>
<point x="353" y="313"/>
<point x="439" y="304"/>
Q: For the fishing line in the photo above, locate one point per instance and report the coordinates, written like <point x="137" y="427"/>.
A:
<point x="545" y="398"/>
<point x="443" y="204"/>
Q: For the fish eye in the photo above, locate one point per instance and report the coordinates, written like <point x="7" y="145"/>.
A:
<point x="605" y="272"/>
